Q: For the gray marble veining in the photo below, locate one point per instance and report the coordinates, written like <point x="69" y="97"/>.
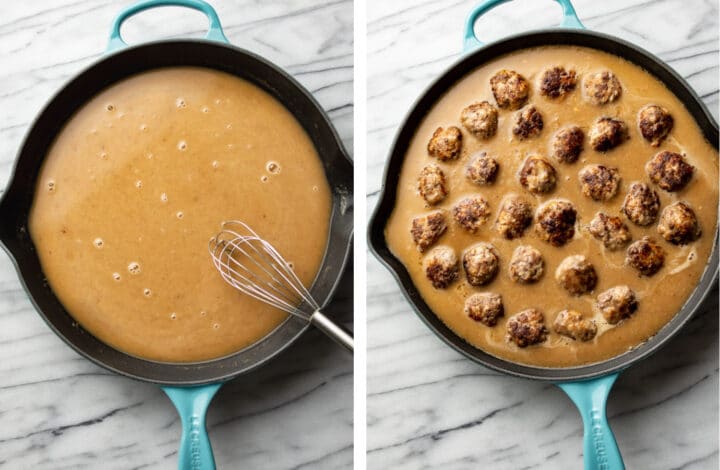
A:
<point x="59" y="411"/>
<point x="428" y="407"/>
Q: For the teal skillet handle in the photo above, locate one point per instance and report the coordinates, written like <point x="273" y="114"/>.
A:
<point x="600" y="451"/>
<point x="192" y="404"/>
<point x="215" y="32"/>
<point x="471" y="42"/>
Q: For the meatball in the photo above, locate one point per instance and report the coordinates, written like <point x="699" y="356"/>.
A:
<point x="607" y="133"/>
<point x="617" y="303"/>
<point x="655" y="123"/>
<point x="480" y="119"/>
<point x="482" y="169"/>
<point x="602" y="87"/>
<point x="537" y="175"/>
<point x="678" y="224"/>
<point x="486" y="308"/>
<point x="610" y="230"/>
<point x="557" y="82"/>
<point x="445" y="144"/>
<point x="514" y="217"/>
<point x="427" y="229"/>
<point x="646" y="256"/>
<point x="669" y="170"/>
<point x="528" y="123"/>
<point x="471" y="213"/>
<point x="526" y="265"/>
<point x="571" y="323"/>
<point x="576" y="275"/>
<point x="431" y="184"/>
<point x="441" y="266"/>
<point x="481" y="263"/>
<point x="567" y="144"/>
<point x="599" y="182"/>
<point x="510" y="89"/>
<point x="641" y="204"/>
<point x="556" y="222"/>
<point x="527" y="328"/>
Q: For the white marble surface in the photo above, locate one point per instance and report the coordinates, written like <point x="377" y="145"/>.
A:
<point x="58" y="410"/>
<point x="428" y="407"/>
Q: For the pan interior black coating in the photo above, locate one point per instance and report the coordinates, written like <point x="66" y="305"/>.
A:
<point x="402" y="139"/>
<point x="15" y="205"/>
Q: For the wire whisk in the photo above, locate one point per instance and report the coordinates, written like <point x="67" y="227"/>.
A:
<point x="254" y="267"/>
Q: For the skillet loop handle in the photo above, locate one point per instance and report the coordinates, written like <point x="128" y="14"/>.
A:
<point x="600" y="450"/>
<point x="215" y="32"/>
<point x="471" y="41"/>
<point x="192" y="403"/>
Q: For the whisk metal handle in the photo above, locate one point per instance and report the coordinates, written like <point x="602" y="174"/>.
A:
<point x="334" y="331"/>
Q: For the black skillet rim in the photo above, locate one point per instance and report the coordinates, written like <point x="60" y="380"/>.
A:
<point x="338" y="168"/>
<point x="386" y="198"/>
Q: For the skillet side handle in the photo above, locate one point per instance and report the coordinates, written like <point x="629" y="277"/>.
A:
<point x="192" y="403"/>
<point x="600" y="450"/>
<point x="215" y="31"/>
<point x="471" y="41"/>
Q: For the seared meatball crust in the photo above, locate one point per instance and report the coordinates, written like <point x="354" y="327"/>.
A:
<point x="646" y="256"/>
<point x="510" y="89"/>
<point x="607" y="133"/>
<point x="480" y="119"/>
<point x="555" y="222"/>
<point x="669" y="170"/>
<point x="602" y="87"/>
<point x="486" y="308"/>
<point x="678" y="224"/>
<point x="599" y="182"/>
<point x="641" y="204"/>
<point x="576" y="275"/>
<point x="655" y="123"/>
<point x="445" y="144"/>
<point x="427" y="229"/>
<point x="482" y="169"/>
<point x="432" y="185"/>
<point x="528" y="123"/>
<point x="617" y="303"/>
<point x="572" y="324"/>
<point x="527" y="328"/>
<point x="471" y="213"/>
<point x="567" y="144"/>
<point x="537" y="175"/>
<point x="526" y="265"/>
<point x="610" y="230"/>
<point x="441" y="266"/>
<point x="556" y="82"/>
<point x="481" y="263"/>
<point x="514" y="217"/>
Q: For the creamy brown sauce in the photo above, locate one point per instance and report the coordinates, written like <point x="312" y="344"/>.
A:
<point x="140" y="179"/>
<point x="660" y="297"/>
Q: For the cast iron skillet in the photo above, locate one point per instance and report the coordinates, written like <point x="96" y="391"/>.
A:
<point x="190" y="386"/>
<point x="588" y="386"/>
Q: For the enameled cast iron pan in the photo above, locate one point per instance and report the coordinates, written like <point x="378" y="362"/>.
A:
<point x="588" y="386"/>
<point x="190" y="386"/>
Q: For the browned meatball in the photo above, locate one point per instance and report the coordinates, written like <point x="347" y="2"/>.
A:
<point x="571" y="323"/>
<point x="599" y="182"/>
<point x="669" y="170"/>
<point x="527" y="328"/>
<point x="557" y="82"/>
<point x="526" y="265"/>
<point x="655" y="123"/>
<point x="510" y="89"/>
<point x="567" y="143"/>
<point x="427" y="229"/>
<point x="482" y="169"/>
<point x="528" y="123"/>
<point x="485" y="308"/>
<point x="646" y="256"/>
<point x="445" y="144"/>
<point x="481" y="263"/>
<point x="480" y="119"/>
<point x="607" y="133"/>
<point x="471" y="213"/>
<point x="514" y="217"/>
<point x="678" y="224"/>
<point x="555" y="222"/>
<point x="537" y="175"/>
<point x="441" y="266"/>
<point x="576" y="275"/>
<point x="602" y="87"/>
<point x="431" y="184"/>
<point x="610" y="230"/>
<point x="641" y="204"/>
<point x="617" y="303"/>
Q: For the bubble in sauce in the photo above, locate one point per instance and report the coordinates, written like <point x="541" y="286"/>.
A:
<point x="173" y="316"/>
<point x="273" y="167"/>
<point x="138" y="184"/>
<point x="51" y="186"/>
<point x="163" y="197"/>
<point x="103" y="155"/>
<point x="179" y="215"/>
<point x="228" y="126"/>
<point x="205" y="109"/>
<point x="216" y="326"/>
<point x="291" y="265"/>
<point x="203" y="313"/>
<point x="217" y="101"/>
<point x="264" y="178"/>
<point x="147" y="292"/>
<point x="149" y="155"/>
<point x="143" y="127"/>
<point x="216" y="164"/>
<point x="98" y="242"/>
<point x="180" y="103"/>
<point x="315" y="188"/>
<point x="110" y="107"/>
<point x="182" y="145"/>
<point x="116" y="276"/>
<point x="134" y="268"/>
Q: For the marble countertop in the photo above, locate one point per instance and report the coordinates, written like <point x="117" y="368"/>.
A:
<point x="59" y="411"/>
<point x="428" y="407"/>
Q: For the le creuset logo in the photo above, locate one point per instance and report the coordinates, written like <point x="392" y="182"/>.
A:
<point x="597" y="434"/>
